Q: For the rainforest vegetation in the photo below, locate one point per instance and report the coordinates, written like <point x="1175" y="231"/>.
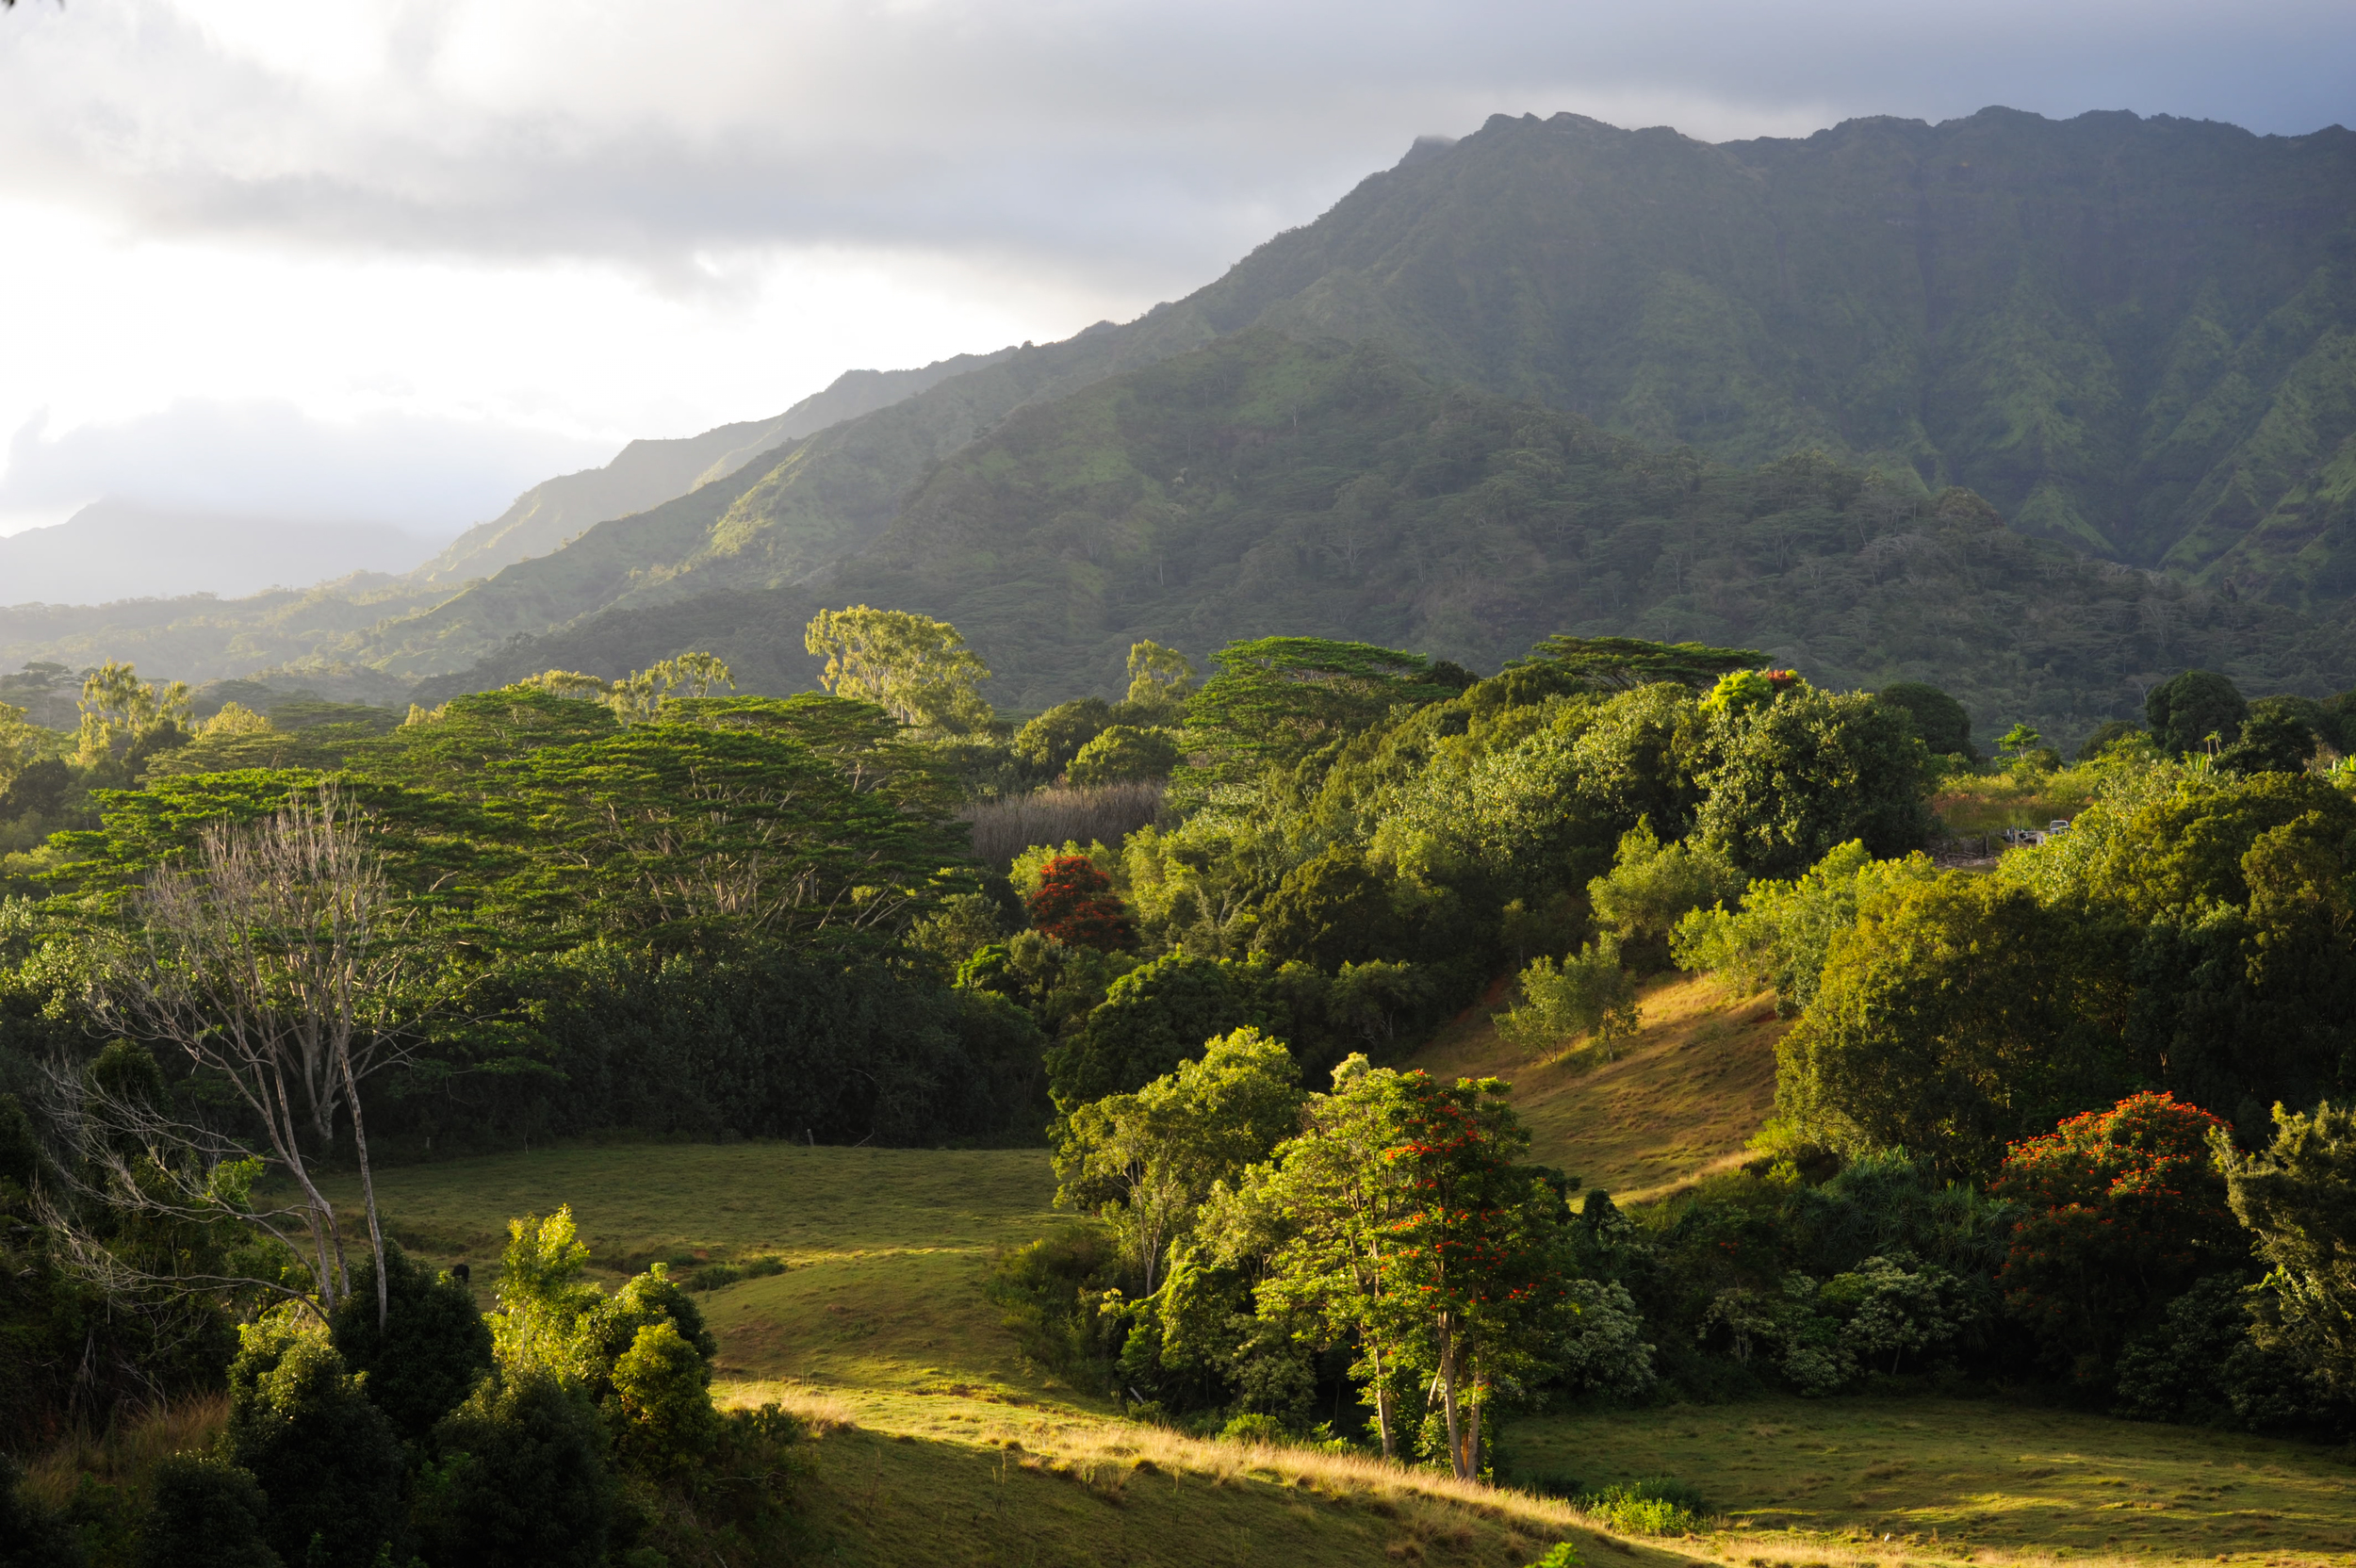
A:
<point x="2076" y="1119"/>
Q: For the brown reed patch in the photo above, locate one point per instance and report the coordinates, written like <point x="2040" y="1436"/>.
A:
<point x="1060" y="814"/>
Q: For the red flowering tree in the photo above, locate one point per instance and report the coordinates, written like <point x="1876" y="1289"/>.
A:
<point x="2124" y="1211"/>
<point x="1075" y="904"/>
<point x="1413" y="1235"/>
<point x="1473" y="1245"/>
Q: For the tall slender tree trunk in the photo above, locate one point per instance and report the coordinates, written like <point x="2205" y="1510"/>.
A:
<point x="1448" y="1398"/>
<point x="1468" y="1465"/>
<point x="334" y="1278"/>
<point x="1382" y="1405"/>
<point x="368" y="1185"/>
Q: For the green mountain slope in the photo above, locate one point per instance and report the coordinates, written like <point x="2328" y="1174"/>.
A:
<point x="2132" y="335"/>
<point x="1263" y="484"/>
<point x="648" y="473"/>
<point x="770" y="523"/>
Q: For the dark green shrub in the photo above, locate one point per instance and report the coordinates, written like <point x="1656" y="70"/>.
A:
<point x="1332" y="910"/>
<point x="1050" y="741"/>
<point x="2278" y="736"/>
<point x="1792" y="780"/>
<point x="1548" y="1483"/>
<point x="1150" y="1019"/>
<point x="713" y="1276"/>
<point x="524" y="1483"/>
<point x="2185" y="711"/>
<point x="1049" y="1292"/>
<point x="749" y="1478"/>
<point x="31" y="1536"/>
<point x="204" y="1512"/>
<point x="433" y="1348"/>
<point x="2204" y="1367"/>
<point x="1940" y="719"/>
<point x="329" y="1461"/>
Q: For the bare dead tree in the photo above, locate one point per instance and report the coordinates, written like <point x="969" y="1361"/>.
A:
<point x="271" y="962"/>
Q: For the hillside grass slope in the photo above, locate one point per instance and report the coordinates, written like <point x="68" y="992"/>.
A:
<point x="938" y="1442"/>
<point x="1682" y="1100"/>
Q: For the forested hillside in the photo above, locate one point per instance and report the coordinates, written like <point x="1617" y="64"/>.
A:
<point x="2133" y="334"/>
<point x="2130" y="335"/>
<point x="1265" y="483"/>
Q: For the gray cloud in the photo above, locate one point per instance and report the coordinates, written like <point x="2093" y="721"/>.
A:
<point x="429" y="477"/>
<point x="1145" y="142"/>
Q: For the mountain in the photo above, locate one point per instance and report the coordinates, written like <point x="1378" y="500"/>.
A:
<point x="1264" y="484"/>
<point x="772" y="522"/>
<point x="112" y="550"/>
<point x="647" y="473"/>
<point x="2134" y="336"/>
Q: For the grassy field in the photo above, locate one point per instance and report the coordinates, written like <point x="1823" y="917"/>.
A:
<point x="942" y="1445"/>
<point x="1969" y="1473"/>
<point x="1685" y="1097"/>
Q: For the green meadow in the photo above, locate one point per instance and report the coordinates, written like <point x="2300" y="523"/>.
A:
<point x="939" y="1442"/>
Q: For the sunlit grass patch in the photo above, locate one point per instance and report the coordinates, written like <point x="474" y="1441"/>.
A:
<point x="1686" y="1095"/>
<point x="1975" y="1475"/>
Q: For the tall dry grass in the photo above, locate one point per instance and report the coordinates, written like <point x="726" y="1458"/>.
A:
<point x="128" y="1450"/>
<point x="1059" y="814"/>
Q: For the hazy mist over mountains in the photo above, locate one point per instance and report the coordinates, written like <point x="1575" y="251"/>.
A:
<point x="125" y="550"/>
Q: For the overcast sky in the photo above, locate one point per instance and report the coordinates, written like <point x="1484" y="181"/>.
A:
<point x="395" y="260"/>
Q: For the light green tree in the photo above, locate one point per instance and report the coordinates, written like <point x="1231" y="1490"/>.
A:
<point x="20" y="742"/>
<point x="1147" y="1161"/>
<point x="119" y="709"/>
<point x="639" y="699"/>
<point x="545" y="1298"/>
<point x="235" y="718"/>
<point x="1335" y="1200"/>
<point x="1587" y="993"/>
<point x="1652" y="886"/>
<point x="1783" y="930"/>
<point x="1413" y="1231"/>
<point x="1120" y="753"/>
<point x="1160" y="678"/>
<point x="914" y="667"/>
